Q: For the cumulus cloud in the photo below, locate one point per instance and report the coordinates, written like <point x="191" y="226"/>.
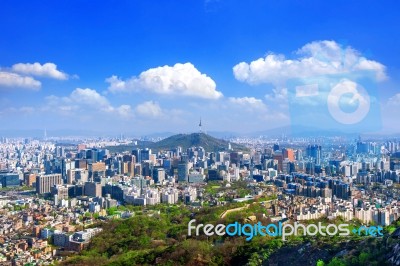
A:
<point x="149" y="109"/>
<point x="48" y="70"/>
<point x="248" y="102"/>
<point x="180" y="79"/>
<point x="313" y="59"/>
<point x="91" y="98"/>
<point x="257" y="110"/>
<point x="8" y="79"/>
<point x="86" y="99"/>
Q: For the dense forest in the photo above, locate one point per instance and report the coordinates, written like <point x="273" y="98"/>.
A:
<point x="160" y="236"/>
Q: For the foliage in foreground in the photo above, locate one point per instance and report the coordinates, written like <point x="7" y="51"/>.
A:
<point x="162" y="239"/>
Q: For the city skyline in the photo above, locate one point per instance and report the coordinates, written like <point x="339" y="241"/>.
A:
<point x="145" y="67"/>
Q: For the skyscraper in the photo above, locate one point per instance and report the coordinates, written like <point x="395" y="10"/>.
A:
<point x="138" y="154"/>
<point x="288" y="154"/>
<point x="158" y="174"/>
<point x="145" y="154"/>
<point x="314" y="151"/>
<point x="183" y="172"/>
<point x="44" y="183"/>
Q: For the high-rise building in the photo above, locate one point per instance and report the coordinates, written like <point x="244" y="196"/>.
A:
<point x="138" y="155"/>
<point x="66" y="164"/>
<point x="279" y="158"/>
<point x="299" y="155"/>
<point x="44" y="183"/>
<point x="92" y="189"/>
<point x="183" y="172"/>
<point x="288" y="154"/>
<point x="314" y="151"/>
<point x="96" y="170"/>
<point x="138" y="169"/>
<point x="139" y="182"/>
<point x="234" y="158"/>
<point x="9" y="179"/>
<point x="29" y="179"/>
<point x="60" y="151"/>
<point x="92" y="155"/>
<point x="61" y="191"/>
<point x="127" y="158"/>
<point x="214" y="175"/>
<point x="341" y="190"/>
<point x="145" y="154"/>
<point x="77" y="175"/>
<point x="146" y="168"/>
<point x="362" y="147"/>
<point x="158" y="174"/>
<point x="81" y="163"/>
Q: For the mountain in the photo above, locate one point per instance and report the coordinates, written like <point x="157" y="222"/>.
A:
<point x="208" y="142"/>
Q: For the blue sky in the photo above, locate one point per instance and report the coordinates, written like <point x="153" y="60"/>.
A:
<point x="138" y="67"/>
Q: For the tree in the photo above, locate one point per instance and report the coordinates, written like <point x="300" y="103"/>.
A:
<point x="336" y="262"/>
<point x="363" y="257"/>
<point x="254" y="260"/>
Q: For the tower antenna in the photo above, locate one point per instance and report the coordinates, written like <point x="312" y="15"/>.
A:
<point x="200" y="126"/>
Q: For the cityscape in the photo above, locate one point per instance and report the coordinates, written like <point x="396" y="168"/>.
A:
<point x="53" y="192"/>
<point x="203" y="132"/>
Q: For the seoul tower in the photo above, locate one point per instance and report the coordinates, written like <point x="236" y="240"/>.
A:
<point x="200" y="125"/>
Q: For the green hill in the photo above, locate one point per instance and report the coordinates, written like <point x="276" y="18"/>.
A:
<point x="209" y="143"/>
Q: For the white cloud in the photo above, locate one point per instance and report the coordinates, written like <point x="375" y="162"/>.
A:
<point x="86" y="99"/>
<point x="36" y="69"/>
<point x="8" y="79"/>
<point x="149" y="109"/>
<point x="180" y="79"/>
<point x="124" y="110"/>
<point x="278" y="95"/>
<point x="248" y="102"/>
<point x="89" y="97"/>
<point x="314" y="59"/>
<point x="394" y="100"/>
<point x="257" y="110"/>
<point x="278" y="98"/>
